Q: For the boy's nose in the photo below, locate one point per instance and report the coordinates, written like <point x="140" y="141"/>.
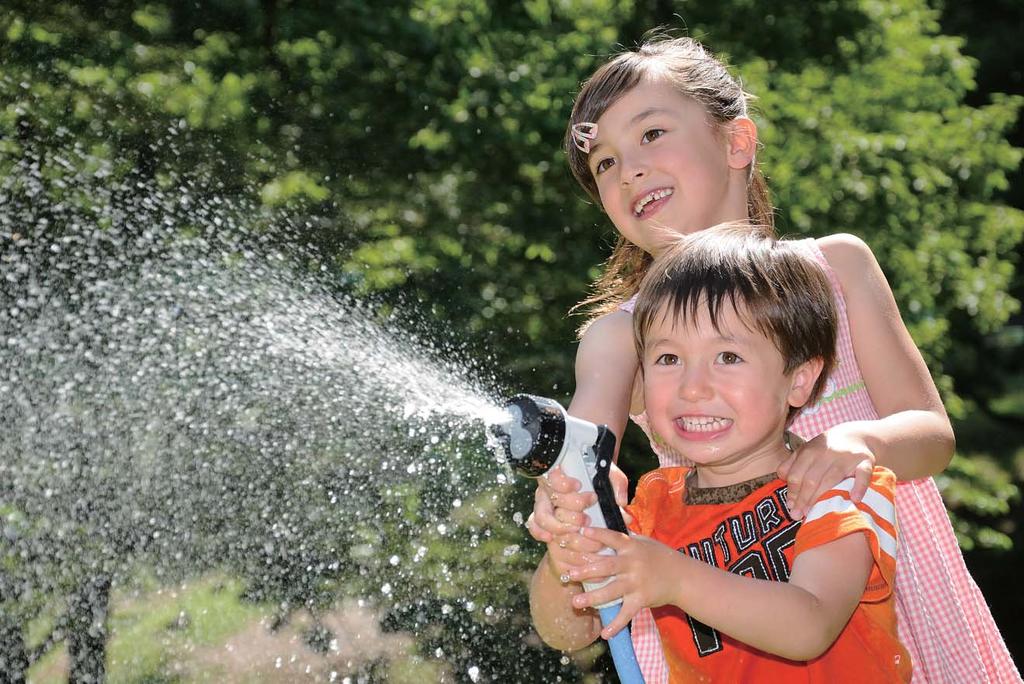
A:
<point x="695" y="385"/>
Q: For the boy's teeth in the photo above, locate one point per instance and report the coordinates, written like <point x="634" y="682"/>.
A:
<point x="704" y="424"/>
<point x="650" y="197"/>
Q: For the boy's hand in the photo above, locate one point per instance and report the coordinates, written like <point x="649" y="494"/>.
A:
<point x="644" y="575"/>
<point x="820" y="464"/>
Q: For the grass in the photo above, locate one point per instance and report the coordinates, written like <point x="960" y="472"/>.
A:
<point x="154" y="630"/>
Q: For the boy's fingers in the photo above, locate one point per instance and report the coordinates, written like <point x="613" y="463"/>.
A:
<point x="620" y="622"/>
<point x="574" y="542"/>
<point x="609" y="538"/>
<point x="589" y="569"/>
<point x="596" y="597"/>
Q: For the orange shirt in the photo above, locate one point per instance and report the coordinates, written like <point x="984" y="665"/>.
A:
<point x="746" y="529"/>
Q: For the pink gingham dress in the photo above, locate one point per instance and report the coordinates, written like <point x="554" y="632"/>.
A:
<point x="943" y="619"/>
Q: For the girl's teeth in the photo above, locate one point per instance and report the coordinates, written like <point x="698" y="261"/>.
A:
<point x="704" y="424"/>
<point x="656" y="195"/>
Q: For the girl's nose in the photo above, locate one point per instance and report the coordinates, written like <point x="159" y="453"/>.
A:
<point x="633" y="170"/>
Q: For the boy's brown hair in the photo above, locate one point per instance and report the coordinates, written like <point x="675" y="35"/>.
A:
<point x="774" y="289"/>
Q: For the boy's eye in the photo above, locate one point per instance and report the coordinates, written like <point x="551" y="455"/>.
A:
<point x="666" y="360"/>
<point x="653" y="134"/>
<point x="729" y="358"/>
<point x="603" y="165"/>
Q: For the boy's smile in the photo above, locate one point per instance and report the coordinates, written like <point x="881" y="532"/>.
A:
<point x="701" y="428"/>
<point x="720" y="396"/>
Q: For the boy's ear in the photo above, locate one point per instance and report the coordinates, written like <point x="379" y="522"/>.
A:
<point x="742" y="135"/>
<point x="803" y="380"/>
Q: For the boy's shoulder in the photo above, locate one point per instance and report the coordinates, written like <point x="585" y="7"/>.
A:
<point x="836" y="514"/>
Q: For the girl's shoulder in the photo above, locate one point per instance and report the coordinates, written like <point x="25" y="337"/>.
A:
<point x="613" y="329"/>
<point x="847" y="255"/>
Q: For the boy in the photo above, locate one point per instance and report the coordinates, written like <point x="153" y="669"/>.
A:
<point x="735" y="332"/>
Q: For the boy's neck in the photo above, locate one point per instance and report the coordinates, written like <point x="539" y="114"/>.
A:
<point x="755" y="465"/>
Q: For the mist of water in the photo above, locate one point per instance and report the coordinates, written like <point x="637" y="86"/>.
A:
<point x="181" y="390"/>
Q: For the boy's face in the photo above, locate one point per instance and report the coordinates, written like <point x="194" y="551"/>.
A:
<point x="720" y="397"/>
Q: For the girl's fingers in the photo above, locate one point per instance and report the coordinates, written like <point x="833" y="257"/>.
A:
<point x="575" y="519"/>
<point x="536" y="531"/>
<point x="783" y="471"/>
<point x="861" y="480"/>
<point x="810" y="488"/>
<point x="559" y="483"/>
<point x="797" y="479"/>
<point x="620" y="485"/>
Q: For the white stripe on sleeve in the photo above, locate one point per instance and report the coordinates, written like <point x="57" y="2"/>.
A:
<point x="840" y="504"/>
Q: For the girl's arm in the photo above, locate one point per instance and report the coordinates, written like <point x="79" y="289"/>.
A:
<point x="912" y="436"/>
<point x="606" y="366"/>
<point x="798" y="620"/>
<point x="559" y="624"/>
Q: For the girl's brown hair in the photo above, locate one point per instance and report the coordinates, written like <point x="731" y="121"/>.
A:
<point x="693" y="71"/>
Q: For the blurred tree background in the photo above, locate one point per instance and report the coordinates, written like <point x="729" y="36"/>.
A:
<point x="419" y="142"/>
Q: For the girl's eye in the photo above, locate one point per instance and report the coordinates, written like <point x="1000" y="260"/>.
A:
<point x="729" y="358"/>
<point x="653" y="134"/>
<point x="603" y="165"/>
<point x="667" y="360"/>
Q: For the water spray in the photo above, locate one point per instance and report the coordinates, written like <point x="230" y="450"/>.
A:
<point x="538" y="435"/>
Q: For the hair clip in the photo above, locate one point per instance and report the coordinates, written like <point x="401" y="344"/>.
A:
<point x="582" y="133"/>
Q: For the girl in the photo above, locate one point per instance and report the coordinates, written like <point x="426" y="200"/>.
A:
<point x="660" y="138"/>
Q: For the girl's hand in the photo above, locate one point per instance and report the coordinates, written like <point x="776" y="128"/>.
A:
<point x="644" y="570"/>
<point x="558" y="516"/>
<point x="820" y="464"/>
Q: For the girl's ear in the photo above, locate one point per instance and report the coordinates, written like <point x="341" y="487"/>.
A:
<point x="742" y="137"/>
<point x="803" y="380"/>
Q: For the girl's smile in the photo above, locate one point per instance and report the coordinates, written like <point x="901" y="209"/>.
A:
<point x="650" y="203"/>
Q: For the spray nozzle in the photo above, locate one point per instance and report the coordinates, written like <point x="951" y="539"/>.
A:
<point x="532" y="434"/>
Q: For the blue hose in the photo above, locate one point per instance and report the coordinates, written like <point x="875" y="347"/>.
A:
<point x="621" y="646"/>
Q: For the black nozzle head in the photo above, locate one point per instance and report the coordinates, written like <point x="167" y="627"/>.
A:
<point x="533" y="435"/>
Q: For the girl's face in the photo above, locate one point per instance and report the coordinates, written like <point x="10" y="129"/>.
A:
<point x="660" y="165"/>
